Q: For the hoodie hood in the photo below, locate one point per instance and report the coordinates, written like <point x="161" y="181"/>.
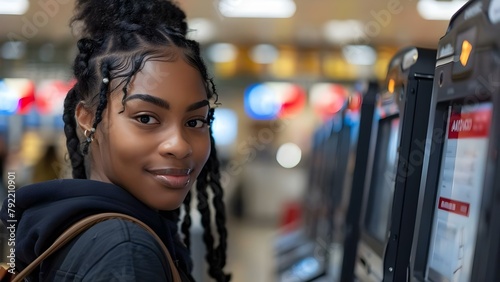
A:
<point x="44" y="210"/>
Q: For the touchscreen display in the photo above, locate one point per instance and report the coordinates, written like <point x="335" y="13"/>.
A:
<point x="383" y="177"/>
<point x="458" y="197"/>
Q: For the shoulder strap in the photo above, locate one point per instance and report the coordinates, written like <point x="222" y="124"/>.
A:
<point x="85" y="224"/>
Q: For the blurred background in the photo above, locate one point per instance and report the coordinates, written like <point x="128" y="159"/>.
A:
<point x="282" y="69"/>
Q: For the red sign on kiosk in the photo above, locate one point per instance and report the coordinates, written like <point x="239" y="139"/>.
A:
<point x="459" y="193"/>
<point x="453" y="206"/>
<point x="469" y="125"/>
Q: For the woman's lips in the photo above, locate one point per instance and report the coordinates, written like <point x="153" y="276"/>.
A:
<point x="172" y="178"/>
<point x="171" y="181"/>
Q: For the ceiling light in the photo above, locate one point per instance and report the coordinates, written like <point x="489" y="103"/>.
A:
<point x="257" y="8"/>
<point x="14" y="7"/>
<point x="359" y="55"/>
<point x="222" y="52"/>
<point x="438" y="10"/>
<point x="343" y="32"/>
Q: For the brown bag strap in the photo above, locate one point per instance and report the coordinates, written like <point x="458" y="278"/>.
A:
<point x="85" y="224"/>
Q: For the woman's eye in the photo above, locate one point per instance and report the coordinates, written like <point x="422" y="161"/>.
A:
<point x="146" y="119"/>
<point x="196" y="123"/>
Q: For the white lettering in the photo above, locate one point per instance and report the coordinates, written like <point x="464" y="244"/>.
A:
<point x="461" y="125"/>
<point x="448" y="206"/>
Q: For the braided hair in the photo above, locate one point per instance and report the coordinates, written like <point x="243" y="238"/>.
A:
<point x="117" y="37"/>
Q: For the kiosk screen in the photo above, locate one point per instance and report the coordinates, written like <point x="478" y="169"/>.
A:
<point x="459" y="193"/>
<point x="384" y="169"/>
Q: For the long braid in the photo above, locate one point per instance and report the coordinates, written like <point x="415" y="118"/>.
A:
<point x="220" y="212"/>
<point x="210" y="176"/>
<point x="204" y="209"/>
<point x="186" y="222"/>
<point x="82" y="72"/>
<point x="72" y="141"/>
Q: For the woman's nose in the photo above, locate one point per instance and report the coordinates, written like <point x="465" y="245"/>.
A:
<point x="175" y="144"/>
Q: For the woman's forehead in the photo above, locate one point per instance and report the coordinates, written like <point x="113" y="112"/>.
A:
<point x="161" y="78"/>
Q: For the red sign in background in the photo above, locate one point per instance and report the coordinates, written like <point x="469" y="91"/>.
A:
<point x="453" y="206"/>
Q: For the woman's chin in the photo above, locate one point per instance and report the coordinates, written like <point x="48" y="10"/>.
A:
<point x="171" y="203"/>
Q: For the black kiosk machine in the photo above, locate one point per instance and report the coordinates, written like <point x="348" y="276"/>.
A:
<point x="401" y="118"/>
<point x="293" y="246"/>
<point x="324" y="263"/>
<point x="351" y="225"/>
<point x="457" y="233"/>
<point x="337" y="167"/>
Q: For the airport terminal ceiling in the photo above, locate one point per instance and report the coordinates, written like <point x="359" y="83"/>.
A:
<point x="384" y="22"/>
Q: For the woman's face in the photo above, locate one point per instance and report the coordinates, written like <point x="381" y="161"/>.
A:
<point x="157" y="146"/>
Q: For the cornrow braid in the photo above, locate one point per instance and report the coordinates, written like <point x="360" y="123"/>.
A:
<point x="86" y="47"/>
<point x="72" y="141"/>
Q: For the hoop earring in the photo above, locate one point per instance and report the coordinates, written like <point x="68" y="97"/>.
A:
<point x="90" y="136"/>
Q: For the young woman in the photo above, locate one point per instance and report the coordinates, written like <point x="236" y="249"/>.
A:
<point x="138" y="133"/>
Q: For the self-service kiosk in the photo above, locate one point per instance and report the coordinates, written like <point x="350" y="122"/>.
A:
<point x="315" y="204"/>
<point x="458" y="225"/>
<point x="412" y="79"/>
<point x="292" y="246"/>
<point x="338" y="167"/>
<point x="309" y="258"/>
<point x="351" y="226"/>
<point x="402" y="106"/>
<point x="290" y="238"/>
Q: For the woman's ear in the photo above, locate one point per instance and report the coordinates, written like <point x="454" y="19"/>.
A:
<point x="84" y="116"/>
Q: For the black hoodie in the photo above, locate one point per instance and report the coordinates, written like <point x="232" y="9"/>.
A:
<point x="44" y="210"/>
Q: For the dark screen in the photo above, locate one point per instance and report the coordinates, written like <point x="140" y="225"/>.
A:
<point x="382" y="181"/>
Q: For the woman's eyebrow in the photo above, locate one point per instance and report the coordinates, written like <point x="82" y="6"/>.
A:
<point x="164" y="104"/>
<point x="197" y="105"/>
<point x="150" y="99"/>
